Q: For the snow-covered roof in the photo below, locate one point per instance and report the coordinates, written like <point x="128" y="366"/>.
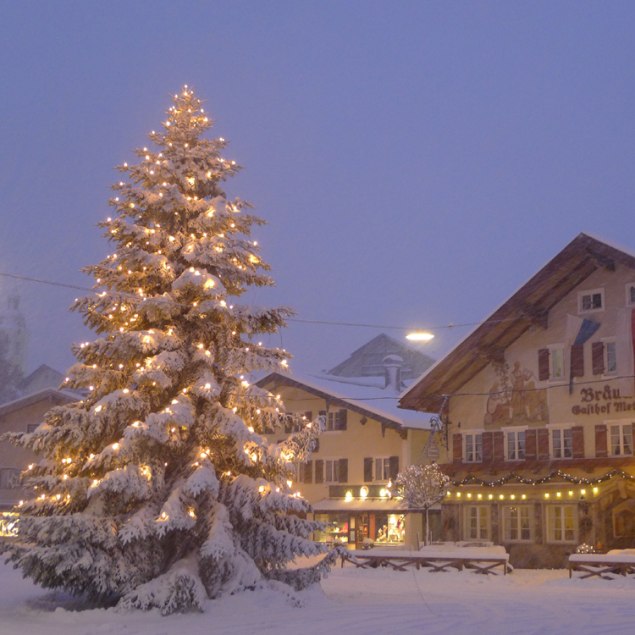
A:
<point x="57" y="396"/>
<point x="369" y="398"/>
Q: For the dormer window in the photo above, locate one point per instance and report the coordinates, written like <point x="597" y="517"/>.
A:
<point x="589" y="301"/>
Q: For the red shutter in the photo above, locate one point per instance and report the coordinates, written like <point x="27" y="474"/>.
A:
<point x="368" y="470"/>
<point x="601" y="447"/>
<point x="319" y="471"/>
<point x="543" y="364"/>
<point x="577" y="360"/>
<point x="531" y="444"/>
<point x="597" y="355"/>
<point x="487" y="447"/>
<point x="543" y="444"/>
<point x="498" y="446"/>
<point x="343" y="470"/>
<point x="457" y="448"/>
<point x="308" y="472"/>
<point x="577" y="441"/>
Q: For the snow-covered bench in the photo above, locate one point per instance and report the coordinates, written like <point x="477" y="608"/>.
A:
<point x="603" y="565"/>
<point x="437" y="558"/>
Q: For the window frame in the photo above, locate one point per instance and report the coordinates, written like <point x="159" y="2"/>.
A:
<point x="609" y="342"/>
<point x="628" y="288"/>
<point x="559" y="512"/>
<point x="482" y="515"/>
<point x="591" y="292"/>
<point x="622" y="425"/>
<point x="561" y="429"/>
<point x="385" y="464"/>
<point x="477" y="446"/>
<point x="508" y="523"/>
<point x="515" y="431"/>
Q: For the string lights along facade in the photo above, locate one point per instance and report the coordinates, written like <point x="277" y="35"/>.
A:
<point x="159" y="488"/>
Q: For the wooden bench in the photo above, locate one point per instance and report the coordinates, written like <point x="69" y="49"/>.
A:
<point x="605" y="565"/>
<point x="485" y="564"/>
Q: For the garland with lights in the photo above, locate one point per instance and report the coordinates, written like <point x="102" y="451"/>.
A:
<point x="161" y="487"/>
<point x="557" y="475"/>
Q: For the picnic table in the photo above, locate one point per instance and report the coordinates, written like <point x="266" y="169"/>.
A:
<point x="479" y="560"/>
<point x="603" y="565"/>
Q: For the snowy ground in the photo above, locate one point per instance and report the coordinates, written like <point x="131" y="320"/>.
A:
<point x="356" y="602"/>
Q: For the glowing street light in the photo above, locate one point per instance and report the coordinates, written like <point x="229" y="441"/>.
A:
<point x="419" y="336"/>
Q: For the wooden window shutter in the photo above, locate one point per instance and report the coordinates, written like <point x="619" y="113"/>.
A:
<point x="394" y="466"/>
<point x="368" y="470"/>
<point x="601" y="443"/>
<point x="543" y="364"/>
<point x="543" y="443"/>
<point x="597" y="355"/>
<point x="531" y="444"/>
<point x="487" y="447"/>
<point x="457" y="448"/>
<point x="577" y="360"/>
<point x="343" y="471"/>
<point x="577" y="442"/>
<point x="340" y="420"/>
<point x="309" y="415"/>
<point x="308" y="472"/>
<point x="498" y="443"/>
<point x="319" y="471"/>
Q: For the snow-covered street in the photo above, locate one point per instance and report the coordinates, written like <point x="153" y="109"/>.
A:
<point x="355" y="601"/>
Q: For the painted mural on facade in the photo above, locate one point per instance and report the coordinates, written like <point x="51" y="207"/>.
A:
<point x="514" y="399"/>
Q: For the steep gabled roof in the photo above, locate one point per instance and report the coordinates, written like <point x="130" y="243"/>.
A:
<point x="530" y="305"/>
<point x="367" y="359"/>
<point x="374" y="403"/>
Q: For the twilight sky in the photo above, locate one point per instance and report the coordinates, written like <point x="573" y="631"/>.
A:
<point x="415" y="161"/>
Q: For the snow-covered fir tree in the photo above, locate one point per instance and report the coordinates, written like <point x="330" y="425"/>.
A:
<point x="159" y="488"/>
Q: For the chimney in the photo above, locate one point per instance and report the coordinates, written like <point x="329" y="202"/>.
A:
<point x="392" y="372"/>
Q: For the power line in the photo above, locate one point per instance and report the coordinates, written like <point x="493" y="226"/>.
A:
<point x="393" y="327"/>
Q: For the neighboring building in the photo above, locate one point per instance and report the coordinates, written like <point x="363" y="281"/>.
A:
<point x="24" y="415"/>
<point x="365" y="443"/>
<point x="369" y="360"/>
<point x="541" y="412"/>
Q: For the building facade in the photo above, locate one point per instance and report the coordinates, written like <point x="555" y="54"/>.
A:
<point x="361" y="449"/>
<point x="539" y="403"/>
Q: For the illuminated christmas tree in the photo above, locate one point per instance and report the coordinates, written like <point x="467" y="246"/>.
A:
<point x="159" y="489"/>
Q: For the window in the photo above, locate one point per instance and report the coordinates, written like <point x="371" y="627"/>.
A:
<point x="561" y="443"/>
<point x="333" y="420"/>
<point x="9" y="477"/>
<point x="516" y="524"/>
<point x="551" y="363"/>
<point x="381" y="468"/>
<point x="621" y="439"/>
<point x="303" y="472"/>
<point x="473" y="447"/>
<point x="477" y="522"/>
<point x="514" y="445"/>
<point x="589" y="301"/>
<point x="561" y="523"/>
<point x="630" y="294"/>
<point x="335" y="470"/>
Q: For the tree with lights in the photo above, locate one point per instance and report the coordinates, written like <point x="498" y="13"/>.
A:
<point x="159" y="488"/>
<point x="422" y="487"/>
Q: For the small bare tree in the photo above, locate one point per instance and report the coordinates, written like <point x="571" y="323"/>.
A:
<point x="422" y="487"/>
